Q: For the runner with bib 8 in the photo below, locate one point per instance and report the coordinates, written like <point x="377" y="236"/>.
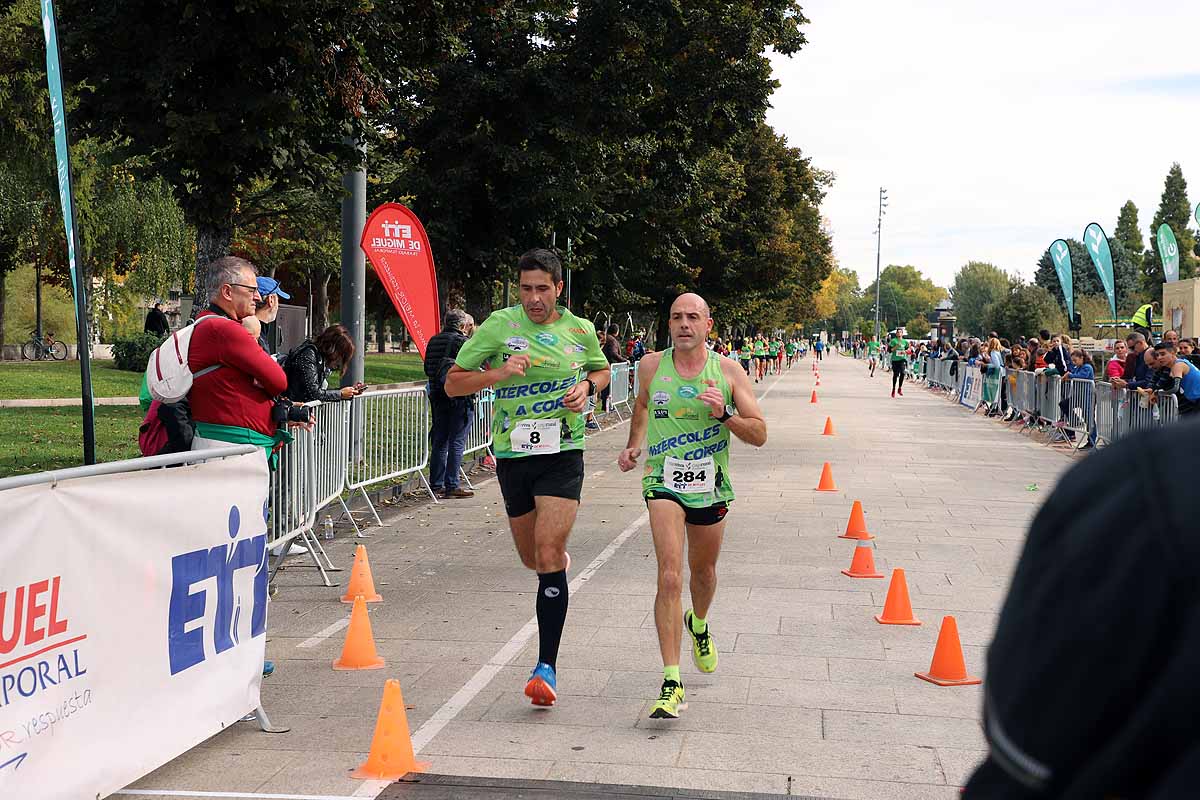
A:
<point x="544" y="365"/>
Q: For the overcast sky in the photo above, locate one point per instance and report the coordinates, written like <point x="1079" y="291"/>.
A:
<point x="995" y="127"/>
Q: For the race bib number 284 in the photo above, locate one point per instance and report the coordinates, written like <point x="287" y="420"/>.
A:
<point x="689" y="477"/>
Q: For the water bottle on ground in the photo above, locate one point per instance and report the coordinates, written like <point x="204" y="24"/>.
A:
<point x="328" y="524"/>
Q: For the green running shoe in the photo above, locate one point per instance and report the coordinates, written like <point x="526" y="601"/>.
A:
<point x="704" y="649"/>
<point x="670" y="701"/>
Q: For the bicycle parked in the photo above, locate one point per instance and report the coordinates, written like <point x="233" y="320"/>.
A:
<point x="43" y="350"/>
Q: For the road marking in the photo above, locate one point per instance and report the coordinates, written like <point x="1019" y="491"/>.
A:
<point x="325" y="633"/>
<point x="598" y="473"/>
<point x="479" y="681"/>
<point x="232" y="795"/>
<point x="763" y="396"/>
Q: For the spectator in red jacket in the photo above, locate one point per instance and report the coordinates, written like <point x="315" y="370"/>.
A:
<point x="232" y="404"/>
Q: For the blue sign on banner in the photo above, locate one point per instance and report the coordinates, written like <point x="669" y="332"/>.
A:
<point x="1097" y="247"/>
<point x="1061" y="254"/>
<point x="58" y="112"/>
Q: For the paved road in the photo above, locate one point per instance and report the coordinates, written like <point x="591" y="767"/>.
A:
<point x="812" y="695"/>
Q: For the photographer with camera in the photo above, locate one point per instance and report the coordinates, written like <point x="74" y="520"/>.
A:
<point x="308" y="367"/>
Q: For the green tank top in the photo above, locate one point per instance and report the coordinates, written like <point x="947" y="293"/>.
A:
<point x="760" y="348"/>
<point x="687" y="449"/>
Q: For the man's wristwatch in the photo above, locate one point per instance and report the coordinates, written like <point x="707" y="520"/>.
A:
<point x="591" y="386"/>
<point x="730" y="410"/>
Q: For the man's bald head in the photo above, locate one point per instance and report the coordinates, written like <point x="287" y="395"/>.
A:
<point x="690" y="301"/>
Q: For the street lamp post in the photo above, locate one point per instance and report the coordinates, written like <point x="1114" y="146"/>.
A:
<point x="878" y="250"/>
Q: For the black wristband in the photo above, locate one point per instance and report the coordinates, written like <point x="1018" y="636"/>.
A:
<point x="591" y="387"/>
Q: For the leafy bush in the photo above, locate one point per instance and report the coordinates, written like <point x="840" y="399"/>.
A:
<point x="133" y="352"/>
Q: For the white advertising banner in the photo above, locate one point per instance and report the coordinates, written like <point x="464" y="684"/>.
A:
<point x="972" y="388"/>
<point x="133" y="613"/>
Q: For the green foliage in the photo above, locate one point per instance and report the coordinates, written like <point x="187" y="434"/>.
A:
<point x="976" y="286"/>
<point x="904" y="293"/>
<point x="1085" y="280"/>
<point x="1129" y="234"/>
<point x="58" y="310"/>
<point x="918" y="327"/>
<point x="133" y="352"/>
<point x="1026" y="309"/>
<point x="1174" y="210"/>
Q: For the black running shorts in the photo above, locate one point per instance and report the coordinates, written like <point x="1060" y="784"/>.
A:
<point x="708" y="515"/>
<point x="526" y="477"/>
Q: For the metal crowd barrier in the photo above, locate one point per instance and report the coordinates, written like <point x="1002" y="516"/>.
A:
<point x="294" y="499"/>
<point x="1068" y="409"/>
<point x="479" y="437"/>
<point x="618" y="388"/>
<point x="395" y="439"/>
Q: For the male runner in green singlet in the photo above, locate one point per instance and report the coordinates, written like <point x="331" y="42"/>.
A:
<point x="872" y="355"/>
<point x="551" y="364"/>
<point x="689" y="403"/>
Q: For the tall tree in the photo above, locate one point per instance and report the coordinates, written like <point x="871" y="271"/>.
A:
<point x="904" y="293"/>
<point x="218" y="96"/>
<point x="1174" y="210"/>
<point x="1025" y="310"/>
<point x="976" y="286"/>
<point x="1129" y="234"/>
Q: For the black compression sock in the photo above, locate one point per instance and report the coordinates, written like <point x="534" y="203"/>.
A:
<point x="551" y="614"/>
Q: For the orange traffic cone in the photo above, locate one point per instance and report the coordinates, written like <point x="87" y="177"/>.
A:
<point x="814" y="396"/>
<point x="359" y="650"/>
<point x="948" y="667"/>
<point x="856" y="526"/>
<point x="826" y="482"/>
<point x="360" y="579"/>
<point x="828" y="428"/>
<point x="863" y="563"/>
<point x="818" y="379"/>
<point x="391" y="755"/>
<point x="897" y="610"/>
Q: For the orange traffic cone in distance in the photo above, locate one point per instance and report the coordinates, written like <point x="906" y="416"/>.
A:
<point x="818" y="379"/>
<point x="897" y="610"/>
<point x="391" y="755"/>
<point x="948" y="667"/>
<point x="826" y="482"/>
<point x="828" y="428"/>
<point x="863" y="563"/>
<point x="856" y="526"/>
<point x="814" y="396"/>
<point x="359" y="650"/>
<point x="361" y="581"/>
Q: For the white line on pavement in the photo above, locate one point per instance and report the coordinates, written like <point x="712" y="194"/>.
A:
<point x="479" y="681"/>
<point x="325" y="633"/>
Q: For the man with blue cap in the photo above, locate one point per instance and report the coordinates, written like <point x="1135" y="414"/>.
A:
<point x="266" y="309"/>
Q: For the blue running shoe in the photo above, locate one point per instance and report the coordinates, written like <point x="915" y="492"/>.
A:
<point x="268" y="668"/>
<point x="541" y="687"/>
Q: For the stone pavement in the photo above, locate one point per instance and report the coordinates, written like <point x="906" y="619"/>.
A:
<point x="812" y="696"/>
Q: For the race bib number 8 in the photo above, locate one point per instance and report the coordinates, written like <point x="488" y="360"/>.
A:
<point x="689" y="477"/>
<point x="536" y="436"/>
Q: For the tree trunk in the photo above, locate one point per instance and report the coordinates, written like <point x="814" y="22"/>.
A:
<point x="3" y="295"/>
<point x="477" y="299"/>
<point x="8" y="258"/>
<point x="212" y="242"/>
<point x="380" y="319"/>
<point x="662" y="338"/>
<point x="320" y="301"/>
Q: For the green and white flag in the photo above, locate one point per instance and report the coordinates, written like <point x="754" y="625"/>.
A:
<point x="1097" y="247"/>
<point x="1168" y="251"/>
<point x="1061" y="254"/>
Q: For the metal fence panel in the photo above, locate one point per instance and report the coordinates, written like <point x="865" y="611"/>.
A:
<point x="395" y="436"/>
<point x="480" y="436"/>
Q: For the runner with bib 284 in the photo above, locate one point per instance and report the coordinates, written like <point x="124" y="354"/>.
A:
<point x="690" y="401"/>
<point x="551" y="364"/>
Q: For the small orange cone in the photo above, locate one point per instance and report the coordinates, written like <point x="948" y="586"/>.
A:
<point x="948" y="667"/>
<point x="863" y="563"/>
<point x="814" y="396"/>
<point x="856" y="526"/>
<point x="826" y="482"/>
<point x="828" y="428"/>
<point x="359" y="650"/>
<point x="818" y="379"/>
<point x="360" y="579"/>
<point x="391" y="755"/>
<point x="897" y="610"/>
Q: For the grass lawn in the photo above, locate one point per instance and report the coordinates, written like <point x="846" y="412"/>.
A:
<point x="28" y="380"/>
<point x="20" y="380"/>
<point x="39" y="439"/>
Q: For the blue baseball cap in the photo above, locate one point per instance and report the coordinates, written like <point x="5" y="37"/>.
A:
<point x="268" y="286"/>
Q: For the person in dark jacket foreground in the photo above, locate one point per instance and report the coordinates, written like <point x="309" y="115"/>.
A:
<point x="451" y="416"/>
<point x="309" y="364"/>
<point x="1091" y="687"/>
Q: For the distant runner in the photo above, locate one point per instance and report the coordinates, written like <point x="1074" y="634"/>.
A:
<point x="698" y="399"/>
<point x="552" y="364"/>
<point x="872" y="355"/>
<point x="899" y="349"/>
